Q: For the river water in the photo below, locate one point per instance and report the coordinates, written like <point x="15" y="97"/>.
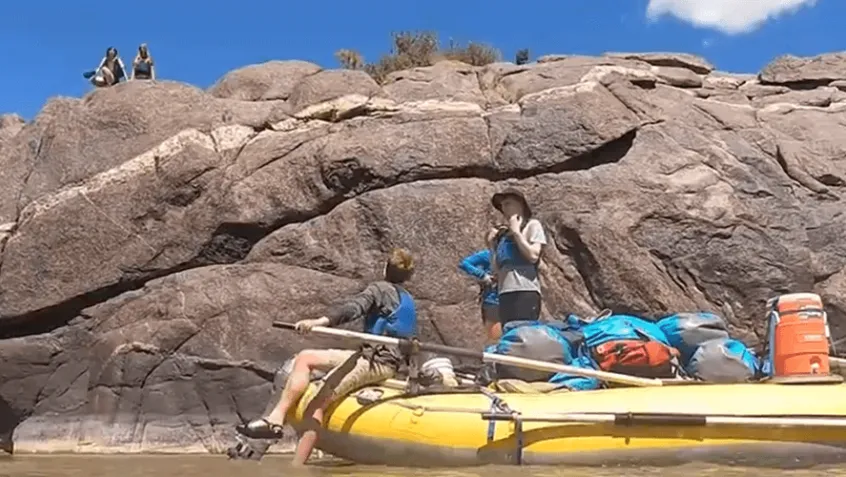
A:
<point x="277" y="466"/>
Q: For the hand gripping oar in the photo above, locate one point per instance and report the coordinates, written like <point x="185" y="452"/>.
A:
<point x="484" y="357"/>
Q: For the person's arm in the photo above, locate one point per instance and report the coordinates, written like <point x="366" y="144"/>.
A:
<point x="134" y="64"/>
<point x="322" y="321"/>
<point x="152" y="69"/>
<point x="355" y="307"/>
<point x="472" y="264"/>
<point x="530" y="241"/>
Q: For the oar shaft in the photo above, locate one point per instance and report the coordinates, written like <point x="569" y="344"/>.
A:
<point x="562" y="368"/>
<point x="777" y="421"/>
<point x="660" y="419"/>
<point x="485" y="357"/>
<point x="385" y="340"/>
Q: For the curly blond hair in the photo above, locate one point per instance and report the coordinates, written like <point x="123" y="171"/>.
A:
<point x="400" y="266"/>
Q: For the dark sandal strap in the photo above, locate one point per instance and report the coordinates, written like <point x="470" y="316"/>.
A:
<point x="275" y="428"/>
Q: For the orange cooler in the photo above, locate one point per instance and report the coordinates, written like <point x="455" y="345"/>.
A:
<point x="799" y="343"/>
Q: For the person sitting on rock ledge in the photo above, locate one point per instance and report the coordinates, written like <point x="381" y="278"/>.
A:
<point x="387" y="309"/>
<point x="517" y="250"/>
<point x="110" y="71"/>
<point x="143" y="67"/>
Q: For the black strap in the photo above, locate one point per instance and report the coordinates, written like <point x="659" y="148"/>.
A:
<point x="410" y="350"/>
<point x="498" y="405"/>
<point x="518" y="435"/>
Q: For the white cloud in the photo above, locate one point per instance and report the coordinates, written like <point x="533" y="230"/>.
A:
<point x="728" y="16"/>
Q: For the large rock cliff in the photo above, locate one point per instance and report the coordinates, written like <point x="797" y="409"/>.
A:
<point x="152" y="231"/>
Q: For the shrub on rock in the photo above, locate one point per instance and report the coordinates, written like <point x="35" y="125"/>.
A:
<point x="416" y="49"/>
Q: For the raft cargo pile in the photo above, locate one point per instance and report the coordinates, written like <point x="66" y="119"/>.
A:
<point x="734" y="404"/>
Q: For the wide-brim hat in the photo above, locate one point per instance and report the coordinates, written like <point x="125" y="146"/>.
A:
<point x="497" y="199"/>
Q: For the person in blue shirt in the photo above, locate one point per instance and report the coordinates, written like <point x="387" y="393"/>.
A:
<point x="478" y="266"/>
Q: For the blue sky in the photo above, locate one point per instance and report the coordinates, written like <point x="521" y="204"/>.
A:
<point x="45" y="45"/>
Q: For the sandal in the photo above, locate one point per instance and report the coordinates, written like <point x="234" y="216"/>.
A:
<point x="260" y="429"/>
<point x="248" y="449"/>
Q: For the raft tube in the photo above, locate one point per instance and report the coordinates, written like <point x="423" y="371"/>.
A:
<point x="382" y="426"/>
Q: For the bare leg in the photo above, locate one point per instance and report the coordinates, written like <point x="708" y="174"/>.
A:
<point x="494" y="332"/>
<point x="295" y="387"/>
<point x="108" y="76"/>
<point x="493" y="328"/>
<point x="355" y="373"/>
<point x="309" y="437"/>
<point x="270" y="427"/>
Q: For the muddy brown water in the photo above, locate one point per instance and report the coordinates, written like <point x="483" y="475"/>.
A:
<point x="278" y="466"/>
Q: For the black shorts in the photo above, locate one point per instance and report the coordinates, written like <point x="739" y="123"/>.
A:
<point x="490" y="313"/>
<point x="518" y="306"/>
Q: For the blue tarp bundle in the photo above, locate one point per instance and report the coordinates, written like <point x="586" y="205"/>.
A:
<point x="707" y="351"/>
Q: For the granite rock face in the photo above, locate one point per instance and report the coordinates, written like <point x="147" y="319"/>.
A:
<point x="146" y="250"/>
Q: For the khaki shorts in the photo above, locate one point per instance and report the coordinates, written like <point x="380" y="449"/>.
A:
<point x="346" y="377"/>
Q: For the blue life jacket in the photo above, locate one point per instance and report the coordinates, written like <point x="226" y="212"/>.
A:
<point x="401" y="323"/>
<point x="621" y="327"/>
<point x="617" y="328"/>
<point x="508" y="255"/>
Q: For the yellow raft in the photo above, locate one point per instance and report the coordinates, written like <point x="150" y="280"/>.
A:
<point x="382" y="426"/>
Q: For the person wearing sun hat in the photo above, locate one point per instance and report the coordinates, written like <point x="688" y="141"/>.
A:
<point x="517" y="249"/>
